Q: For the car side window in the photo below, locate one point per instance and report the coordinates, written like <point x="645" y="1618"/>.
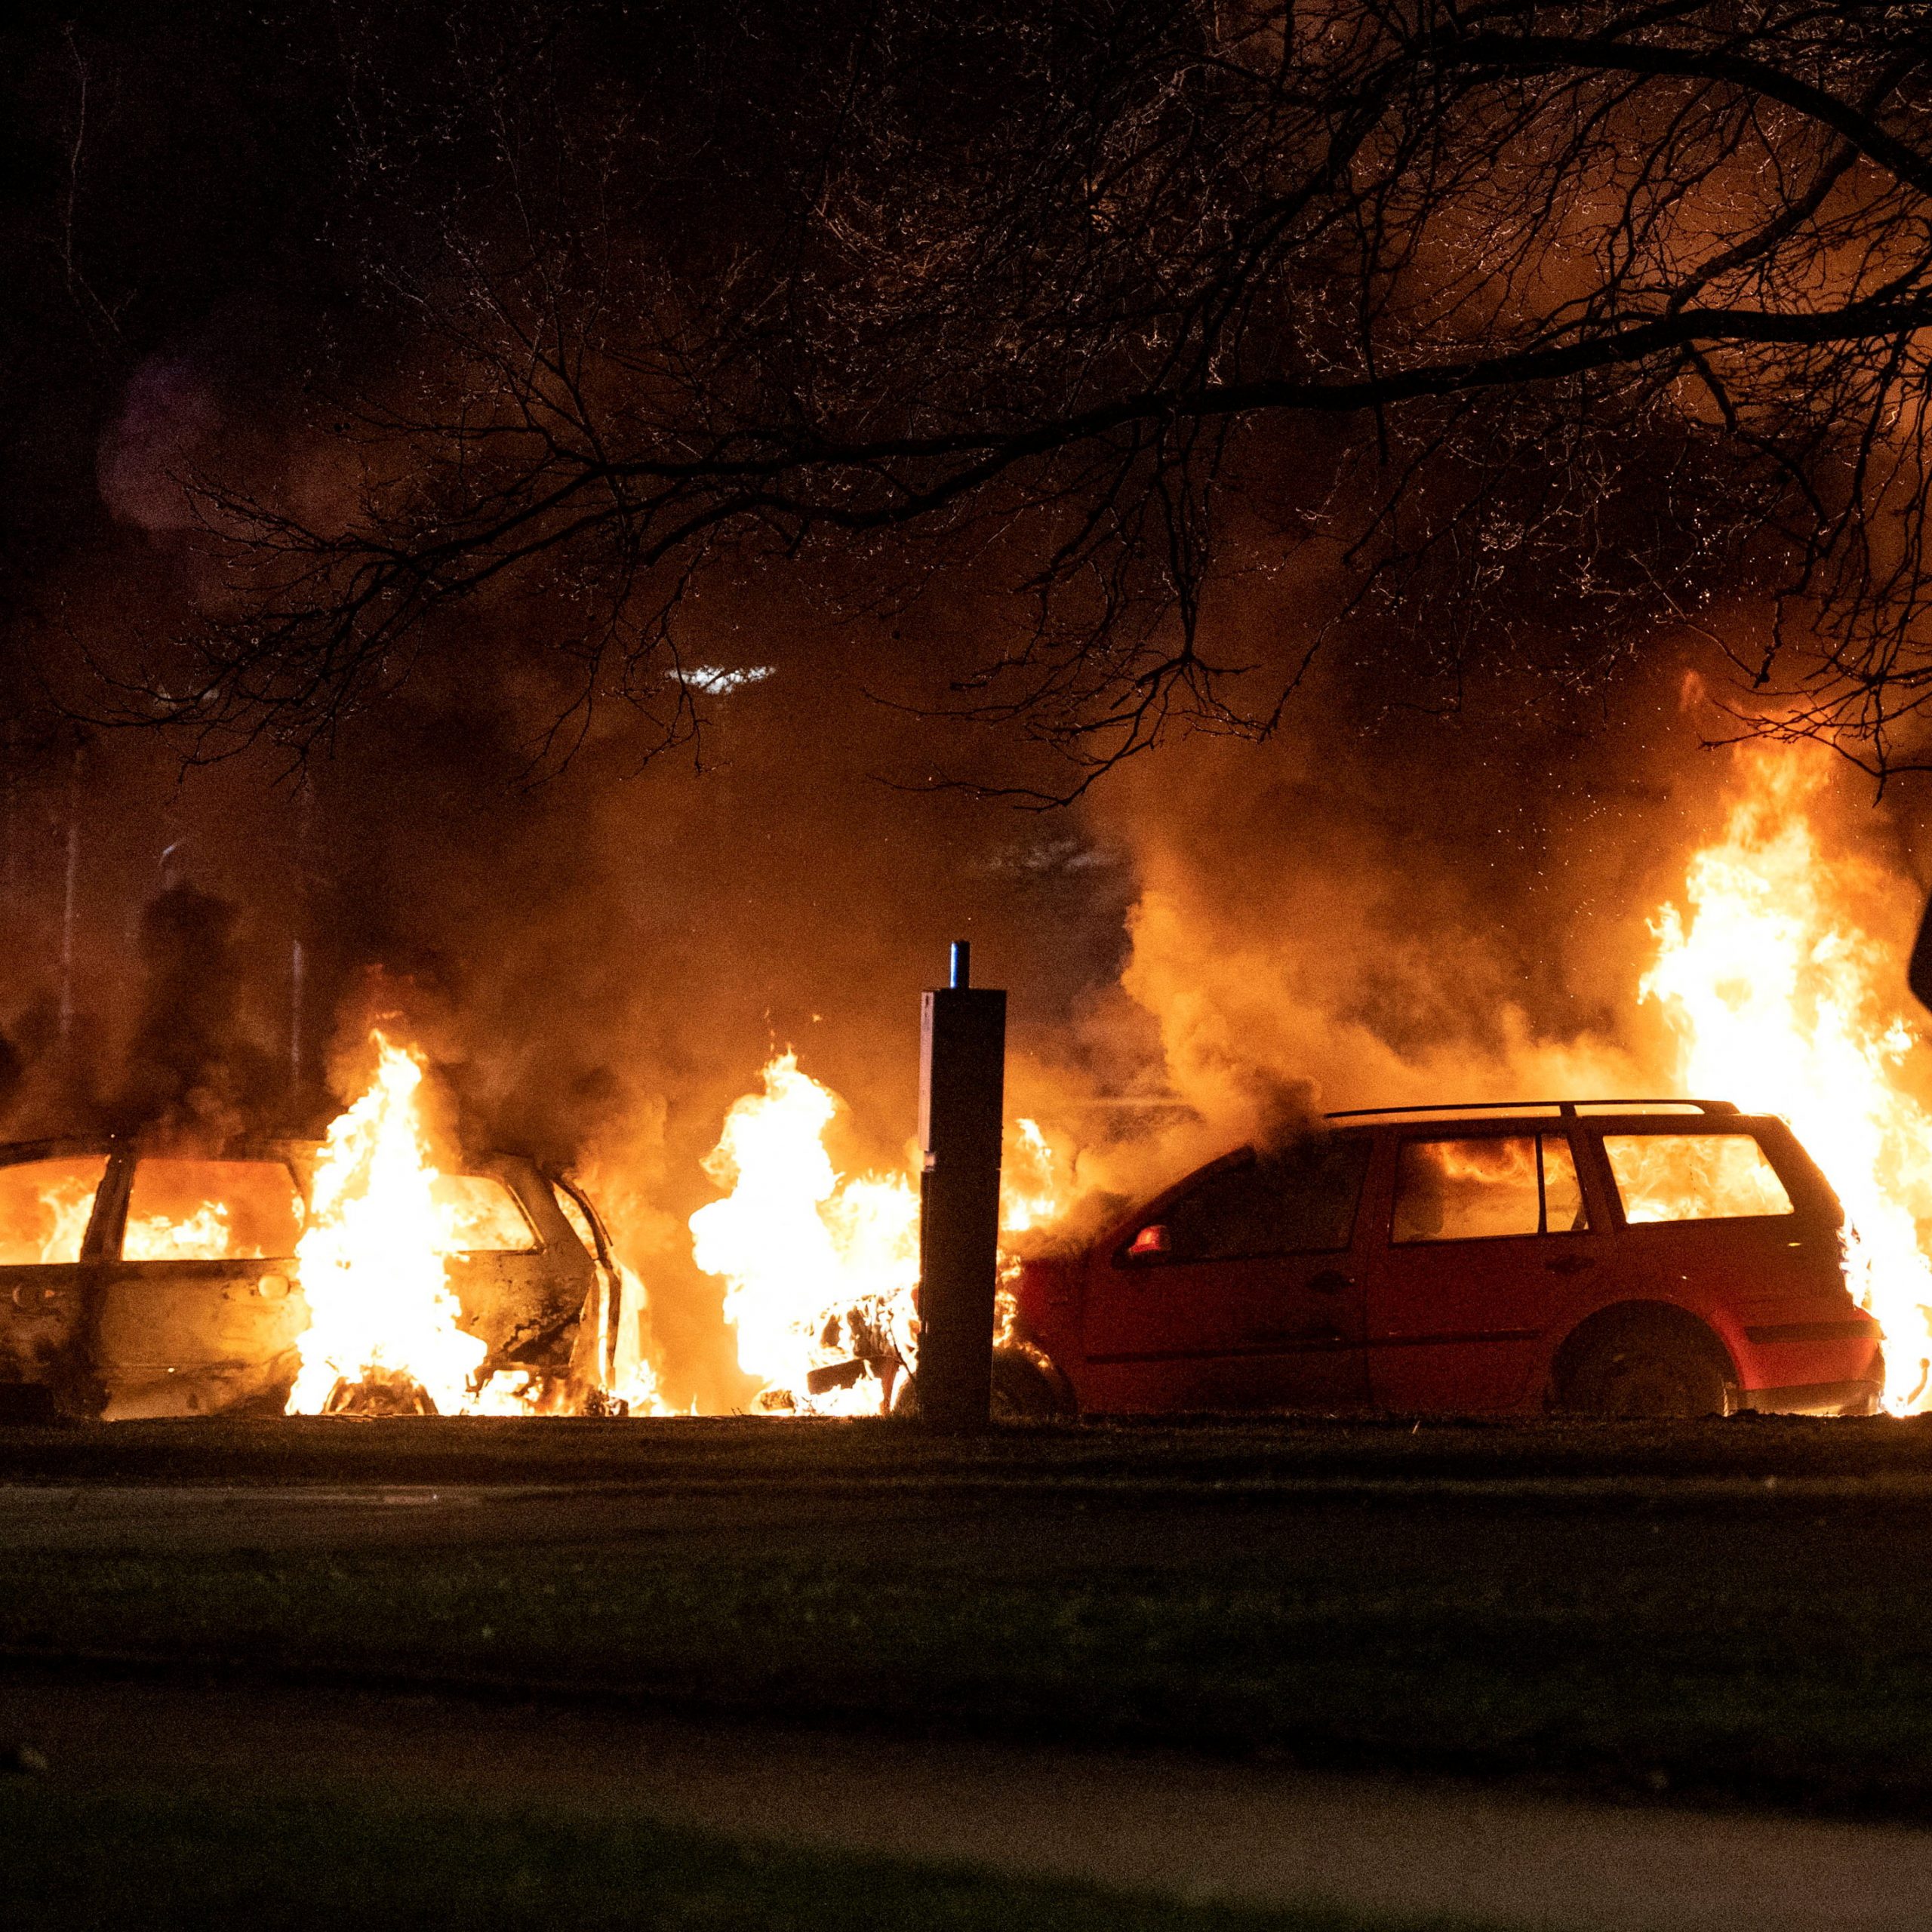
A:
<point x="1480" y="1188"/>
<point x="478" y="1215"/>
<point x="44" y="1207"/>
<point x="211" y="1210"/>
<point x="1694" y="1177"/>
<point x="1563" y="1211"/>
<point x="579" y="1222"/>
<point x="1301" y="1200"/>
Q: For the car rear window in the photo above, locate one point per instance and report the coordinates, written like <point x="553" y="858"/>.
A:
<point x="479" y="1215"/>
<point x="1694" y="1177"/>
<point x="43" y="1208"/>
<point x="1301" y="1201"/>
<point x="1478" y="1188"/>
<point x="211" y="1210"/>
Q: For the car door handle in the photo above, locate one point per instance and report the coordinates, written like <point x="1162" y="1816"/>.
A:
<point x="1570" y="1264"/>
<point x="1326" y="1335"/>
<point x="1329" y="1281"/>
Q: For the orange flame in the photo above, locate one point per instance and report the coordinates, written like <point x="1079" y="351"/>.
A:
<point x="1036" y="1184"/>
<point x="156" y="1237"/>
<point x="819" y="1268"/>
<point x="1779" y="999"/>
<point x="69" y="1207"/>
<point x="633" y="1376"/>
<point x="372" y="1260"/>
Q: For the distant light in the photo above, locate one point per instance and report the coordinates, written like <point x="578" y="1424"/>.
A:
<point x="715" y="679"/>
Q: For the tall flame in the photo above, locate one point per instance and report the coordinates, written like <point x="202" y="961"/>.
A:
<point x="370" y="1260"/>
<point x="1779" y="999"/>
<point x="818" y="1270"/>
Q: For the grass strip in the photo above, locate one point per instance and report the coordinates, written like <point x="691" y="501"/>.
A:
<point x="1154" y="1453"/>
<point x="1677" y="1656"/>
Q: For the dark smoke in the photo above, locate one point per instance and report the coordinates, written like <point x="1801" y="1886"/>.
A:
<point x="193" y="1071"/>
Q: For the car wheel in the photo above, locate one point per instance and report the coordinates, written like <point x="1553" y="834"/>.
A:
<point x="1023" y="1391"/>
<point x="1636" y="1374"/>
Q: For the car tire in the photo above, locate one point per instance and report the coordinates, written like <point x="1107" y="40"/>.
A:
<point x="1024" y="1390"/>
<point x="1642" y="1372"/>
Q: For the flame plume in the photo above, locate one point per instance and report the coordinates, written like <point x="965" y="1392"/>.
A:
<point x="370" y="1260"/>
<point x="818" y="1270"/>
<point x="1780" y="1002"/>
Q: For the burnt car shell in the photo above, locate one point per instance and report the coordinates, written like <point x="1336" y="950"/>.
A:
<point x="94" y="1332"/>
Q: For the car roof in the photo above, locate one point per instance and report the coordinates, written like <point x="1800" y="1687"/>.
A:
<point x="271" y="1146"/>
<point x="1500" y="1111"/>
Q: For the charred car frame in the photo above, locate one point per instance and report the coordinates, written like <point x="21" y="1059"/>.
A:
<point x="140" y="1282"/>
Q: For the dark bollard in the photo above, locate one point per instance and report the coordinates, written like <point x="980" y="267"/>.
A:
<point x="962" y="1094"/>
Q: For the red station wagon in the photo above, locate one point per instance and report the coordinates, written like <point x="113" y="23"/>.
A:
<point x="1613" y="1257"/>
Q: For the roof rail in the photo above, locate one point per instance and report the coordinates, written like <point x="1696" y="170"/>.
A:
<point x="1567" y="1110"/>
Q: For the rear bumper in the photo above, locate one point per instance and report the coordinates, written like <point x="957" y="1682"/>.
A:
<point x="1815" y="1398"/>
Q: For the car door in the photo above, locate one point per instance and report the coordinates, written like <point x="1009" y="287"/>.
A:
<point x="1730" y="1220"/>
<point x="49" y="1261"/>
<point x="1480" y="1233"/>
<point x="198" y="1311"/>
<point x="1237" y="1291"/>
<point x="522" y="1276"/>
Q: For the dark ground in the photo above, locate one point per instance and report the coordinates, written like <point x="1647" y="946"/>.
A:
<point x="1728" y="1611"/>
<point x="421" y="1809"/>
<point x="1726" y="1614"/>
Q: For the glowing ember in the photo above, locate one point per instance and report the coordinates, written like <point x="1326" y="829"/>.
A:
<point x="1780" y="1001"/>
<point x="372" y="1260"/>
<point x="818" y="1270"/>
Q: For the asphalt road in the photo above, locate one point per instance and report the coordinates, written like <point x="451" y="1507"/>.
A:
<point x="1147" y="1822"/>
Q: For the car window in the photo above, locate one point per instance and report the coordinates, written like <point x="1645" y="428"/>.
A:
<point x="45" y="1206"/>
<point x="567" y="1204"/>
<point x="1300" y="1201"/>
<point x="1479" y="1188"/>
<point x="211" y="1210"/>
<point x="1562" y="1191"/>
<point x="479" y="1215"/>
<point x="1693" y="1177"/>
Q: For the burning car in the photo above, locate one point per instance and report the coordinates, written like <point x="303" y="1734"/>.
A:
<point x="145" y="1281"/>
<point x="1621" y="1257"/>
